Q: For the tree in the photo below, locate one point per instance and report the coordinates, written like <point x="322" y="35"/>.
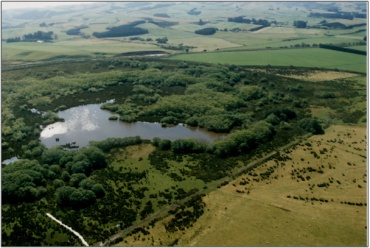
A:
<point x="57" y="183"/>
<point x="95" y="156"/>
<point x="76" y="179"/>
<point x="311" y="125"/>
<point x="65" y="176"/>
<point x="52" y="155"/>
<point x="206" y="31"/>
<point x="98" y="190"/>
<point x="87" y="183"/>
<point x="24" y="180"/>
<point x="78" y="198"/>
<point x="162" y="40"/>
<point x="300" y="24"/>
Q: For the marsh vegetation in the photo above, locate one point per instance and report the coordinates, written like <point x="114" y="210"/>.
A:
<point x="114" y="187"/>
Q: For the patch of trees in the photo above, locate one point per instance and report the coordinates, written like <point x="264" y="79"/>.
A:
<point x="334" y="25"/>
<point x="337" y="15"/>
<point x="76" y="198"/>
<point x="164" y="15"/>
<point x="300" y="24"/>
<point x="76" y="30"/>
<point x="311" y="125"/>
<point x="342" y="49"/>
<point x="206" y="31"/>
<point x="161" y="40"/>
<point x="240" y="19"/>
<point x="24" y="180"/>
<point x="257" y="28"/>
<point x="194" y="11"/>
<point x="16" y="39"/>
<point x="66" y="171"/>
<point x="129" y="29"/>
<point x="109" y="143"/>
<point x="39" y="35"/>
<point x="244" y="141"/>
<point x="162" y="24"/>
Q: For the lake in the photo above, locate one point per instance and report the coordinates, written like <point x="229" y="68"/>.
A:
<point x="88" y="122"/>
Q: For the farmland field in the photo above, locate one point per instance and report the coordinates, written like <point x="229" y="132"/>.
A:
<point x="313" y="57"/>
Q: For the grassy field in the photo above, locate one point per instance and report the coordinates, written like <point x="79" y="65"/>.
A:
<point x="313" y="57"/>
<point x="32" y="51"/>
<point x="98" y="17"/>
<point x="287" y="206"/>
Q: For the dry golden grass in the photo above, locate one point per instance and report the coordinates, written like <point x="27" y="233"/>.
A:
<point x="317" y="76"/>
<point x="252" y="211"/>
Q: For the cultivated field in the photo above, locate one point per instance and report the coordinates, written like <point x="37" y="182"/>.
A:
<point x="312" y="195"/>
<point x="307" y="57"/>
<point x="98" y="17"/>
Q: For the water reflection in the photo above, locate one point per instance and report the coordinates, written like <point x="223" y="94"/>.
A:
<point x="85" y="123"/>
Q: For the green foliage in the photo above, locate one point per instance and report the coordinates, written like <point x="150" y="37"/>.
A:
<point x="243" y="141"/>
<point x="77" y="198"/>
<point x="169" y="120"/>
<point x="123" y="30"/>
<point x="76" y="179"/>
<point x="24" y="180"/>
<point x="188" y="146"/>
<point x="179" y="79"/>
<point x="326" y="95"/>
<point x="161" y="40"/>
<point x="248" y="93"/>
<point x="206" y="31"/>
<point x="110" y="106"/>
<point x="162" y="144"/>
<point x="98" y="190"/>
<point x="107" y="144"/>
<point x="311" y="125"/>
<point x="65" y="176"/>
<point x="52" y="155"/>
<point x="95" y="156"/>
<point x="57" y="183"/>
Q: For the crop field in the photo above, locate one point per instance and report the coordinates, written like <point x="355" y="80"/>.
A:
<point x="313" y="57"/>
<point x="282" y="34"/>
<point x="35" y="51"/>
<point x="295" y="199"/>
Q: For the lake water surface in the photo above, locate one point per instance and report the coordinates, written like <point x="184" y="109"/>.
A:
<point x="88" y="122"/>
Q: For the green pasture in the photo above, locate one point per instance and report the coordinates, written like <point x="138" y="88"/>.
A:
<point x="309" y="57"/>
<point x="361" y="48"/>
<point x="32" y="51"/>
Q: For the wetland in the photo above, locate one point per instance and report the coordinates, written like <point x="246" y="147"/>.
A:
<point x="88" y="122"/>
<point x="130" y="149"/>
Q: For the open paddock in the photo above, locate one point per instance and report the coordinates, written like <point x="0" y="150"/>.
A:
<point x="308" y="57"/>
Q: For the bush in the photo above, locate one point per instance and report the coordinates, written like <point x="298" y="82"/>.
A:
<point x="311" y="125"/>
<point x="206" y="31"/>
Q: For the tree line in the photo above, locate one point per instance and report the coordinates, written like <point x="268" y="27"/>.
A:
<point x="32" y="37"/>
<point x="129" y="29"/>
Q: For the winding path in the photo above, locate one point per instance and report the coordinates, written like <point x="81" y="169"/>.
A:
<point x="68" y="228"/>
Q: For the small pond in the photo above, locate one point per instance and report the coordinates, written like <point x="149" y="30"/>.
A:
<point x="88" y="122"/>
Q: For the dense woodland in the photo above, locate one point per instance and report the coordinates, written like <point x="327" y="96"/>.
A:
<point x="129" y="29"/>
